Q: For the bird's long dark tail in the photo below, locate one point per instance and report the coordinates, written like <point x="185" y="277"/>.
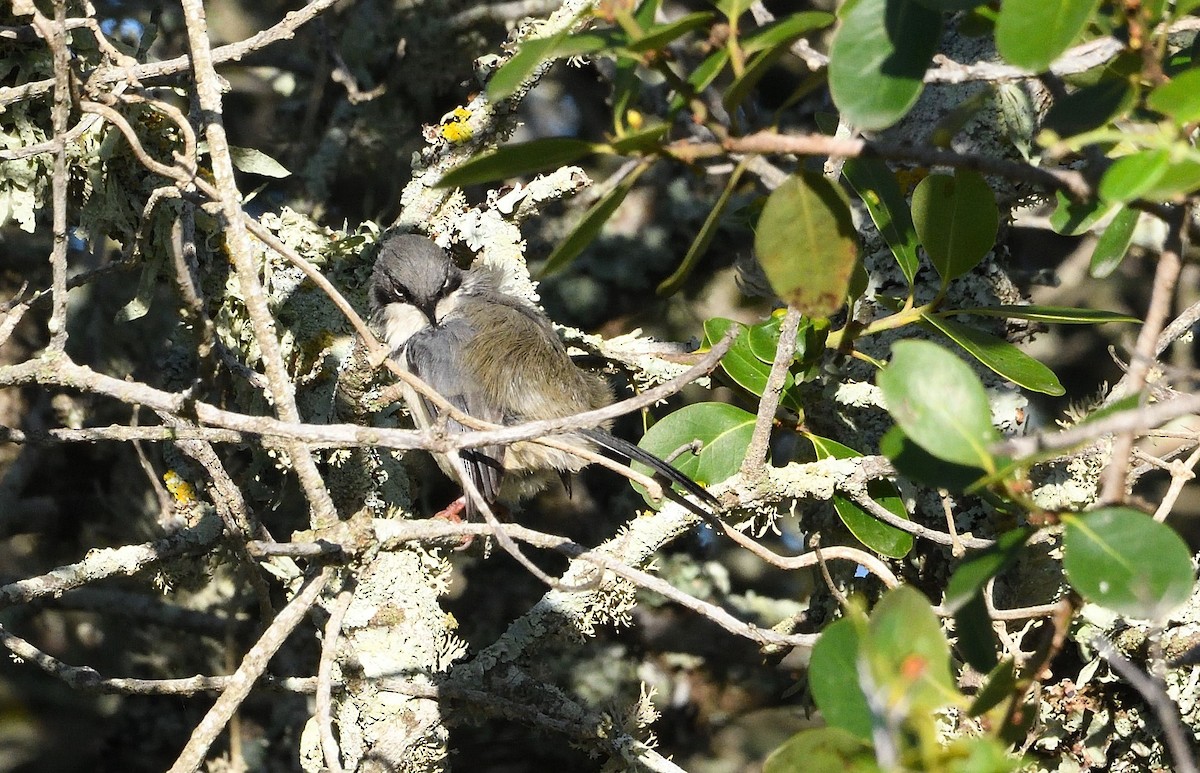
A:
<point x="633" y="453"/>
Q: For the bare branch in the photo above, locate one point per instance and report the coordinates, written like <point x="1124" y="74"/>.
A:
<point x="248" y="673"/>
<point x="1166" y="275"/>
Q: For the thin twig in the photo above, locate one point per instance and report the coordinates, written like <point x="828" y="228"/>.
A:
<point x="109" y="562"/>
<point x="323" y="700"/>
<point x="1114" y="480"/>
<point x="756" y="453"/>
<point x="283" y="391"/>
<point x="1153" y="691"/>
<point x="55" y="35"/>
<point x="248" y="673"/>
<point x="1181" y="474"/>
<point x="1066" y="180"/>
<point x="863" y="500"/>
<point x="285" y="29"/>
<point x="1137" y="420"/>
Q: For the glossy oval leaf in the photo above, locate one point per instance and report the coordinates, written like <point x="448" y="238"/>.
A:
<point x="742" y="365"/>
<point x="952" y="5"/>
<point x="1000" y="356"/>
<point x="908" y="653"/>
<point x="1178" y="98"/>
<point x="1131" y="176"/>
<point x="1114" y="243"/>
<point x="876" y="185"/>
<point x="1073" y="218"/>
<point x="920" y="466"/>
<point x="833" y="679"/>
<point x="1032" y="33"/>
<point x="878" y="58"/>
<point x="723" y="431"/>
<point x="939" y="403"/>
<point x="883" y="538"/>
<point x="1055" y="315"/>
<point x="807" y="245"/>
<point x="1180" y="178"/>
<point x="823" y="749"/>
<point x="1090" y="107"/>
<point x="956" y="219"/>
<point x="1124" y="560"/>
<point x="521" y="158"/>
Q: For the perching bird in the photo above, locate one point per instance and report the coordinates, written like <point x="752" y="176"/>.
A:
<point x="496" y="358"/>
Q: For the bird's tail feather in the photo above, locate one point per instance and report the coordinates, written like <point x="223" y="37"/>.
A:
<point x="632" y="452"/>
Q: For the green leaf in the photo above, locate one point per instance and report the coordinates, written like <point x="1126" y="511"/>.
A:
<point x="589" y="226"/>
<point x="1000" y="356"/>
<point x="956" y="219"/>
<point x="758" y="66"/>
<point x="521" y="158"/>
<point x="767" y="55"/>
<point x="1059" y="315"/>
<point x="939" y="403"/>
<point x="1124" y="560"/>
<point x="741" y="364"/>
<point x="1090" y="107"/>
<point x="1114" y="243"/>
<point x="764" y="337"/>
<point x="643" y="140"/>
<point x="723" y="430"/>
<point x="964" y="597"/>
<point x="920" y="466"/>
<point x="823" y="749"/>
<point x="908" y="653"/>
<point x="951" y="5"/>
<point x="1178" y="98"/>
<point x="807" y="245"/>
<point x="1072" y="218"/>
<point x="660" y="35"/>
<point x="535" y="51"/>
<point x="878" y="58"/>
<point x="702" y="77"/>
<point x="254" y="161"/>
<point x="785" y="31"/>
<point x="876" y="185"/>
<point x="1000" y="685"/>
<point x="1130" y="176"/>
<point x="732" y="9"/>
<point x="883" y="538"/>
<point x="833" y="679"/>
<point x="1180" y="178"/>
<point x="1032" y="33"/>
<point x="704" y="237"/>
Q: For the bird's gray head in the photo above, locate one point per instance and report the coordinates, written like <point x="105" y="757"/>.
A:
<point x="413" y="270"/>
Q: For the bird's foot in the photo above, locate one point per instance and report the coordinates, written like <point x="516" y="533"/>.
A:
<point x="453" y="513"/>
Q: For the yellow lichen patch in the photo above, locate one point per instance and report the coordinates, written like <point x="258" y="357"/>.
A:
<point x="454" y="125"/>
<point x="180" y="489"/>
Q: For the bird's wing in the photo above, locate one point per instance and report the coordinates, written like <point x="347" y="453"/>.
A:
<point x="434" y="356"/>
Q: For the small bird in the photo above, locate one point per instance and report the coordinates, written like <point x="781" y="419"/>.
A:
<point x="496" y="358"/>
